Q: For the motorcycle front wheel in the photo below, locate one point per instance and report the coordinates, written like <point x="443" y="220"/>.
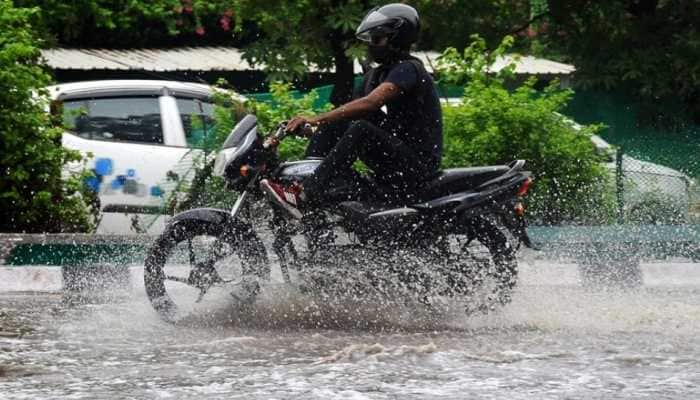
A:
<point x="197" y="267"/>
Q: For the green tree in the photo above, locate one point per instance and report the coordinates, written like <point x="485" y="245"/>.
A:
<point x="126" y="23"/>
<point x="34" y="197"/>
<point x="296" y="34"/>
<point x="650" y="47"/>
<point x="450" y="23"/>
<point x="494" y="126"/>
<point x="286" y="37"/>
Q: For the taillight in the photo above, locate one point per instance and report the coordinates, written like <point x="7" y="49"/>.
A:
<point x="519" y="209"/>
<point x="525" y="187"/>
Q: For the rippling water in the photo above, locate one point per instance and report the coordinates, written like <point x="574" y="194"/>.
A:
<point x="555" y="341"/>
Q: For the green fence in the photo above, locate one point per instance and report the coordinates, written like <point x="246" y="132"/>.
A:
<point x="660" y="135"/>
<point x="658" y="162"/>
<point x="324" y="93"/>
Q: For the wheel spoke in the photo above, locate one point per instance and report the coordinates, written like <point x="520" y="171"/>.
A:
<point x="216" y="250"/>
<point x="202" y="292"/>
<point x="193" y="260"/>
<point x="202" y="275"/>
<point x="184" y="266"/>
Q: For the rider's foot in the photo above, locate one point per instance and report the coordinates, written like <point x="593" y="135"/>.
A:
<point x="287" y="198"/>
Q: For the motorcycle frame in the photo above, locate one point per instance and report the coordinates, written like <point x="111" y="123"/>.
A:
<point x="494" y="197"/>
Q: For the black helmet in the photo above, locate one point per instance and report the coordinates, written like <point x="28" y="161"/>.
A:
<point x="400" y="22"/>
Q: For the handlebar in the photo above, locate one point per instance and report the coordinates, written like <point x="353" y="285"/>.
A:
<point x="281" y="132"/>
<point x="274" y="139"/>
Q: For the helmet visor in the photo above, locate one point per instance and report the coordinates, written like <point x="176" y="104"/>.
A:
<point x="376" y="24"/>
<point x="375" y="36"/>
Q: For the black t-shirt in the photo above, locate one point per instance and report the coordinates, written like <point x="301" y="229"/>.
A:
<point x="415" y="115"/>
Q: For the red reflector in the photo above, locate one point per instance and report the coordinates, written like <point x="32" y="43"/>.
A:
<point x="525" y="187"/>
<point x="520" y="209"/>
<point x="244" y="170"/>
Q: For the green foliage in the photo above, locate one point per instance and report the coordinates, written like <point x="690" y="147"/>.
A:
<point x="205" y="190"/>
<point x="284" y="106"/>
<point x="451" y="23"/>
<point x="495" y="126"/>
<point x="229" y="109"/>
<point x="34" y="197"/>
<point x="293" y="36"/>
<point x="298" y="33"/>
<point x="132" y="23"/>
<point x="650" y="46"/>
<point x="209" y="190"/>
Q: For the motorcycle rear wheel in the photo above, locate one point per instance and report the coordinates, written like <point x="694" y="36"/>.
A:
<point x="194" y="258"/>
<point x="471" y="268"/>
<point x="486" y="271"/>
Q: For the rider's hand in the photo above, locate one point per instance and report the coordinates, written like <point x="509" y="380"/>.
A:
<point x="299" y="126"/>
<point x="270" y="142"/>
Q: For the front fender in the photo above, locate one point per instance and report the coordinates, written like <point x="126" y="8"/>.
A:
<point x="214" y="216"/>
<point x="205" y="214"/>
<point x="220" y="223"/>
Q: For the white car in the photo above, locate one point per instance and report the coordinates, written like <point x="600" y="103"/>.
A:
<point x="143" y="137"/>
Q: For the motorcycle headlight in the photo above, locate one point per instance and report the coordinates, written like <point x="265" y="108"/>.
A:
<point x="222" y="159"/>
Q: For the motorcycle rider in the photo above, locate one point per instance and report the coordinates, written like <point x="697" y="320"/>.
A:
<point x="395" y="127"/>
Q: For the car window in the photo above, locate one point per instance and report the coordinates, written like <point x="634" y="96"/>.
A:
<point x="197" y="121"/>
<point x="124" y="119"/>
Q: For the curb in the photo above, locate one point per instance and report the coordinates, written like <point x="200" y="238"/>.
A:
<point x="72" y="249"/>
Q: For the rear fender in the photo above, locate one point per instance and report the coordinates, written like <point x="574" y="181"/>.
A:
<point x="516" y="168"/>
<point x="460" y="202"/>
<point x="504" y="210"/>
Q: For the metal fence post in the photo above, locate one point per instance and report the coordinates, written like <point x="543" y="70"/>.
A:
<point x="620" y="185"/>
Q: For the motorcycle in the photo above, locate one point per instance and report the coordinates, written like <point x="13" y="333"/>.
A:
<point x="457" y="240"/>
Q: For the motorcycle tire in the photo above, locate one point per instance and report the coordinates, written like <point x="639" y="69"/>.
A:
<point x="473" y="269"/>
<point x="488" y="269"/>
<point x="202" y="256"/>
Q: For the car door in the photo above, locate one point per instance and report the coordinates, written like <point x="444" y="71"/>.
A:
<point x="136" y="143"/>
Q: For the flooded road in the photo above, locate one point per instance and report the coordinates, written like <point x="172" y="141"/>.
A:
<point x="556" y="340"/>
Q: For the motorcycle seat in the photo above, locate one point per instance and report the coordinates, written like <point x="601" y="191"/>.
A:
<point x="455" y="180"/>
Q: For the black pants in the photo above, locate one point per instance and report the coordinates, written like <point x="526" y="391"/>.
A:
<point x="399" y="170"/>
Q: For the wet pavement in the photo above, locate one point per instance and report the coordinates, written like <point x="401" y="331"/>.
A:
<point x="556" y="340"/>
